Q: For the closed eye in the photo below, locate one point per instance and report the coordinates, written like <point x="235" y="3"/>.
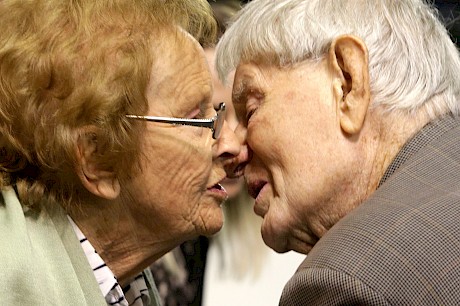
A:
<point x="200" y="115"/>
<point x="249" y="114"/>
<point x="207" y="111"/>
<point x="254" y="101"/>
<point x="195" y="114"/>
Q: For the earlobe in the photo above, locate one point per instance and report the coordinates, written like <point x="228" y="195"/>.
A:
<point x="97" y="180"/>
<point x="348" y="58"/>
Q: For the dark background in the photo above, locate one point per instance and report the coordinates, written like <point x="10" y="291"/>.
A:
<point x="450" y="12"/>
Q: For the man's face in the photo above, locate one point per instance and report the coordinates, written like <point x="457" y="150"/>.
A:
<point x="298" y="169"/>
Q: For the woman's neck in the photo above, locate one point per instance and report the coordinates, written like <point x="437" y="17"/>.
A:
<point x="125" y="245"/>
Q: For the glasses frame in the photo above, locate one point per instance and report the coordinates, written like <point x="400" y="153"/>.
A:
<point x="215" y="123"/>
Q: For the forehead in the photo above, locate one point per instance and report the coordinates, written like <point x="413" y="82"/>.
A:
<point x="250" y="76"/>
<point x="180" y="74"/>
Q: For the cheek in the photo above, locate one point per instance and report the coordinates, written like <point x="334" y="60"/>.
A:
<point x="175" y="171"/>
<point x="267" y="139"/>
<point x="187" y="175"/>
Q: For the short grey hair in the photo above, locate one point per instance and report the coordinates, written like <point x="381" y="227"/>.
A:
<point x="413" y="63"/>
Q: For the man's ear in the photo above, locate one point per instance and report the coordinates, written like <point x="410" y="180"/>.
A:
<point x="97" y="180"/>
<point x="348" y="58"/>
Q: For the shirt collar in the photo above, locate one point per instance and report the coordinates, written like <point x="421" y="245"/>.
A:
<point x="433" y="130"/>
<point x="136" y="293"/>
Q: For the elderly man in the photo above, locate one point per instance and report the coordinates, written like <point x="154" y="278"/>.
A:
<point x="349" y="117"/>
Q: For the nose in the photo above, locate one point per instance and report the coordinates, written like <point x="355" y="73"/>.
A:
<point x="227" y="146"/>
<point x="235" y="167"/>
<point x="231" y="148"/>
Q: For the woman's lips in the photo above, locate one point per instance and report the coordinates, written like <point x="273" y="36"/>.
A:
<point x="219" y="192"/>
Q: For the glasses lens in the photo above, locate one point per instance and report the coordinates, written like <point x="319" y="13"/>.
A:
<point x="219" y="121"/>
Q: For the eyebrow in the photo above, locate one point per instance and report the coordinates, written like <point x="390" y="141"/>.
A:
<point x="240" y="91"/>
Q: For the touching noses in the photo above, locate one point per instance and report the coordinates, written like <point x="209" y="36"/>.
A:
<point x="227" y="146"/>
<point x="231" y="150"/>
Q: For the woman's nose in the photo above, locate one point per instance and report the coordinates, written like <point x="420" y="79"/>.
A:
<point x="235" y="167"/>
<point x="228" y="145"/>
<point x="231" y="148"/>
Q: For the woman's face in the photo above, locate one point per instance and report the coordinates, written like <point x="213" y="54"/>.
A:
<point x="223" y="93"/>
<point x="176" y="194"/>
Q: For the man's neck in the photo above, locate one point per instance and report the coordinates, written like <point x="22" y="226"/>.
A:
<point x="393" y="132"/>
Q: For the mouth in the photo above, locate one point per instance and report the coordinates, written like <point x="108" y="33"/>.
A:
<point x="218" y="187"/>
<point x="219" y="192"/>
<point x="254" y="188"/>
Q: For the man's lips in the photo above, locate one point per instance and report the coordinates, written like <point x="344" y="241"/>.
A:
<point x="255" y="187"/>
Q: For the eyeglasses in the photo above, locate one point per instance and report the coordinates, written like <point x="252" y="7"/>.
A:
<point x="215" y="123"/>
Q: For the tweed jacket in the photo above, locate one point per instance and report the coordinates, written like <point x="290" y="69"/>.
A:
<point x="402" y="245"/>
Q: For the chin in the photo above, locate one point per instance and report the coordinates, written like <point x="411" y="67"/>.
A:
<point x="212" y="229"/>
<point x="275" y="235"/>
<point x="276" y="244"/>
<point x="271" y="240"/>
<point x="212" y="225"/>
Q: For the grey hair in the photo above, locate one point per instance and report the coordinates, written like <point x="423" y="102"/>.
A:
<point x="413" y="63"/>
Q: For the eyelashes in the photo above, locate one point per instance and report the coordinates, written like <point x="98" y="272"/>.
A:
<point x="247" y="101"/>
<point x="206" y="111"/>
<point x="253" y="103"/>
<point x="201" y="115"/>
<point x="249" y="113"/>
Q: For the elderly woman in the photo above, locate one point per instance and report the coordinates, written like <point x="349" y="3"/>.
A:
<point x="350" y="124"/>
<point x="111" y="151"/>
